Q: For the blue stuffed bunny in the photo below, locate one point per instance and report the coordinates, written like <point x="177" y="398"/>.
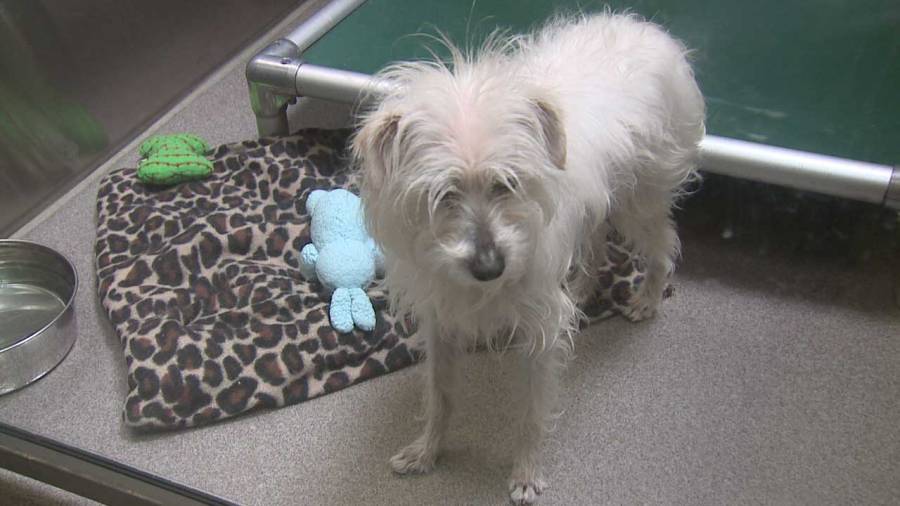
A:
<point x="342" y="256"/>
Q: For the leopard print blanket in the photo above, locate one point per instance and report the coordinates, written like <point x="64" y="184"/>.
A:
<point x="201" y="282"/>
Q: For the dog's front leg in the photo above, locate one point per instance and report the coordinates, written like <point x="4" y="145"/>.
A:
<point x="539" y="384"/>
<point x="440" y="372"/>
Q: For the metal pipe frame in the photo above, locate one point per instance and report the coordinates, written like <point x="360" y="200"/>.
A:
<point x="92" y="476"/>
<point x="272" y="73"/>
<point x="277" y="75"/>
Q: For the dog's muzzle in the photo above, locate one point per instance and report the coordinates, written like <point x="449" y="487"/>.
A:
<point x="487" y="263"/>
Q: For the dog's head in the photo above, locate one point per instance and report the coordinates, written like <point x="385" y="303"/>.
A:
<point x="461" y="170"/>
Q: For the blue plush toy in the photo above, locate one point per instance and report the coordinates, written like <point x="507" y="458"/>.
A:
<point x="342" y="256"/>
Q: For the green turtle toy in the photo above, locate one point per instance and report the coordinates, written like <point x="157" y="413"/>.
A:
<point x="173" y="159"/>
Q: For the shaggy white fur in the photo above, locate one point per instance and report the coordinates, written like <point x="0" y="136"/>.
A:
<point x="489" y="181"/>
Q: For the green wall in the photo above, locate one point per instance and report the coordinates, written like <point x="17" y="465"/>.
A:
<point x="817" y="75"/>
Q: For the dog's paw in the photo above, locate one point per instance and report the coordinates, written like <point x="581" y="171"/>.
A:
<point x="642" y="304"/>
<point x="641" y="308"/>
<point x="414" y="459"/>
<point x="525" y="491"/>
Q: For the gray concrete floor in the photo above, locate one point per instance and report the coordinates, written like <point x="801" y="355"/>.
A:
<point x="765" y="380"/>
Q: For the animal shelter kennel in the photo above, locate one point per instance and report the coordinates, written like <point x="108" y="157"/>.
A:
<point x="199" y="366"/>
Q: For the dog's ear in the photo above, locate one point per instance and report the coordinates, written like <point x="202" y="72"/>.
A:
<point x="552" y="131"/>
<point x="376" y="145"/>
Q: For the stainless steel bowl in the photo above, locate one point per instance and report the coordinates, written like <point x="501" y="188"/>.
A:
<point x="37" y="320"/>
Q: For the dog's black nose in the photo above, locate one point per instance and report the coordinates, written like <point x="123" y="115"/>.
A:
<point x="487" y="264"/>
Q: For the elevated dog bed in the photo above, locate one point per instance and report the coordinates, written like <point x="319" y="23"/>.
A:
<point x="202" y="284"/>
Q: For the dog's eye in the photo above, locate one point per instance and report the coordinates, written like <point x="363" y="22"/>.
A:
<point x="448" y="198"/>
<point x="504" y="187"/>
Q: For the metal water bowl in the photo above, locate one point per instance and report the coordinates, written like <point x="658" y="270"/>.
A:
<point x="37" y="321"/>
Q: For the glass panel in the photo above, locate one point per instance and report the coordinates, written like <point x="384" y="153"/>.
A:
<point x="79" y="79"/>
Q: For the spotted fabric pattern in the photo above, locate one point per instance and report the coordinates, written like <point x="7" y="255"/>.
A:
<point x="202" y="285"/>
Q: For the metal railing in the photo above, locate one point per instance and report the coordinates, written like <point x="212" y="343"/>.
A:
<point x="277" y="75"/>
<point x="92" y="476"/>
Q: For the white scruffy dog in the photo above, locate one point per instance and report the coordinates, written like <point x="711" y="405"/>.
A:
<point x="489" y="182"/>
